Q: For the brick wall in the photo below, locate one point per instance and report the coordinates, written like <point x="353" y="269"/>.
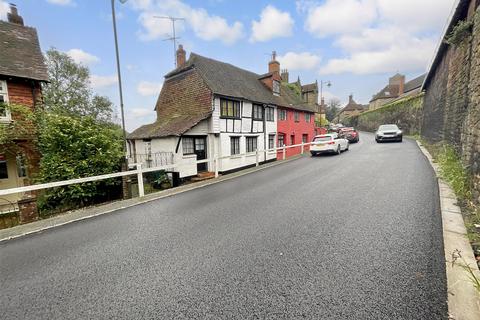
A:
<point x="20" y="92"/>
<point x="452" y="101"/>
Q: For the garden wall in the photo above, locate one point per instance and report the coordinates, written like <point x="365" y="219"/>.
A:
<point x="451" y="110"/>
<point x="406" y="113"/>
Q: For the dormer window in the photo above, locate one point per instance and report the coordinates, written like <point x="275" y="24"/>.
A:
<point x="276" y="87"/>
<point x="4" y="113"/>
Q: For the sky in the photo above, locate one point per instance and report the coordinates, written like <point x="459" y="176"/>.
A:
<point x="355" y="44"/>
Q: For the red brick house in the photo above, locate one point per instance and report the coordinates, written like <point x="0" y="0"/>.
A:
<point x="296" y="118"/>
<point x="22" y="71"/>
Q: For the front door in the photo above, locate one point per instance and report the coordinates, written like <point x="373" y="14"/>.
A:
<point x="201" y="152"/>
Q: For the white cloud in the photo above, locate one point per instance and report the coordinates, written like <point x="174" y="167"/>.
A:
<point x="414" y="14"/>
<point x="146" y="88"/>
<point x="97" y="81"/>
<point x="4" y="9"/>
<point x="141" y="112"/>
<point x="62" y="2"/>
<point x="80" y="56"/>
<point x="337" y="17"/>
<point x="383" y="36"/>
<point x="273" y="24"/>
<point x="204" y="25"/>
<point x="404" y="57"/>
<point x="299" y="61"/>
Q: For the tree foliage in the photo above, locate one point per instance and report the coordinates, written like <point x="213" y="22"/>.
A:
<point x="332" y="109"/>
<point x="69" y="91"/>
<point x="75" y="147"/>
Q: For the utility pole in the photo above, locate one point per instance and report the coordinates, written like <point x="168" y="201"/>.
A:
<point x="174" y="37"/>
<point x="119" y="75"/>
<point x="328" y="84"/>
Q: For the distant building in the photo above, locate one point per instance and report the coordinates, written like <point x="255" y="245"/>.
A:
<point x="351" y="109"/>
<point x="22" y="70"/>
<point x="396" y="89"/>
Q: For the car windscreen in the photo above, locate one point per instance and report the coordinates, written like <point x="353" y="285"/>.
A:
<point x="321" y="139"/>
<point x="388" y="127"/>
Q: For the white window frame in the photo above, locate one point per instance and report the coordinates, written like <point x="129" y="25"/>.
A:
<point x="4" y="93"/>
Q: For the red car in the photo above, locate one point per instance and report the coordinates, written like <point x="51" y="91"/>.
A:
<point x="350" y="134"/>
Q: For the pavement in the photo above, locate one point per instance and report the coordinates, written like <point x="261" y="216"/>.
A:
<point x="355" y="236"/>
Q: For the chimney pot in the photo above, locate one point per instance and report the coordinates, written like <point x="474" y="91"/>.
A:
<point x="274" y="65"/>
<point x="181" y="56"/>
<point x="350" y="98"/>
<point x="13" y="16"/>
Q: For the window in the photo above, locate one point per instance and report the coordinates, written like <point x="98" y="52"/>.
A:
<point x="3" y="167"/>
<point x="187" y="146"/>
<point x="4" y="114"/>
<point x="257" y="113"/>
<point x="281" y="140"/>
<point x="276" y="87"/>
<point x="21" y="167"/>
<point x="269" y="114"/>
<point x="251" y="144"/>
<point x="271" y="141"/>
<point x="282" y="114"/>
<point x="229" y="109"/>
<point x="297" y="116"/>
<point x="307" y="117"/>
<point x="234" y="145"/>
<point x="305" y="138"/>
<point x="292" y="139"/>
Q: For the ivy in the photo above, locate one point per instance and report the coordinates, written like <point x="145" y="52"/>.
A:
<point x="24" y="126"/>
<point x="461" y="30"/>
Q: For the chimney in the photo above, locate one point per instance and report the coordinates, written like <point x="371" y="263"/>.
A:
<point x="13" y="16"/>
<point x="399" y="81"/>
<point x="181" y="54"/>
<point x="284" y="75"/>
<point x="274" y="65"/>
<point x="350" y="98"/>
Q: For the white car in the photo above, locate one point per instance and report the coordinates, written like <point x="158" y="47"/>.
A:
<point x="328" y="143"/>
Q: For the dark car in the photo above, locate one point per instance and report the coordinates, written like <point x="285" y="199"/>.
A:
<point x="350" y="134"/>
<point x="388" y="132"/>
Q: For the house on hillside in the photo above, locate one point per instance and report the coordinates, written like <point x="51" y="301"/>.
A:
<point x="22" y="71"/>
<point x="351" y="109"/>
<point x="396" y="89"/>
<point x="207" y="108"/>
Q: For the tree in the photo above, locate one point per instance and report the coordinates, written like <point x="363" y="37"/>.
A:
<point x="332" y="109"/>
<point x="69" y="91"/>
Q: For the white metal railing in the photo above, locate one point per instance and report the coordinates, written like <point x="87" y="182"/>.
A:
<point x="139" y="171"/>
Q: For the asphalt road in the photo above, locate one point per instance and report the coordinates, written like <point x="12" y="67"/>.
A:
<point x="355" y="236"/>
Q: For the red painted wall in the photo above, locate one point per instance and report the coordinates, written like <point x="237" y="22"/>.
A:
<point x="290" y="127"/>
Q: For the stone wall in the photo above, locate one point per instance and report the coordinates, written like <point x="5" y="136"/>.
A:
<point x="452" y="100"/>
<point x="406" y="113"/>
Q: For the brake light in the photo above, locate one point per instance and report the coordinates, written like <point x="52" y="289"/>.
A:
<point x="331" y="142"/>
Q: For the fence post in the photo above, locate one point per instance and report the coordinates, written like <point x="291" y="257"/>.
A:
<point x="284" y="153"/>
<point x="141" y="190"/>
<point x="256" y="157"/>
<point x="302" y="148"/>
<point x="215" y="160"/>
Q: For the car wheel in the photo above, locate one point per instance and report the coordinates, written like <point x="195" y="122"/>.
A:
<point x="400" y="139"/>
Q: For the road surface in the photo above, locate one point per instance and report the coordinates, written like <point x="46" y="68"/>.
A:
<point x="355" y="236"/>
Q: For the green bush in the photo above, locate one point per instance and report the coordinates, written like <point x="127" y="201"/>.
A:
<point x="76" y="148"/>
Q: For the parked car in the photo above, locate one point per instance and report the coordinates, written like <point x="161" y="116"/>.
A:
<point x="329" y="143"/>
<point x="350" y="134"/>
<point x="388" y="132"/>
